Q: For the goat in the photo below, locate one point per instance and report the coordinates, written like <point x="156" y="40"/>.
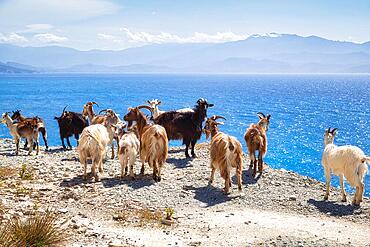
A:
<point x="129" y="147"/>
<point x="70" y="123"/>
<point x="226" y="152"/>
<point x="88" y="111"/>
<point x="153" y="104"/>
<point x="344" y="161"/>
<point x="185" y="125"/>
<point x="256" y="140"/>
<point x="26" y="129"/>
<point x="153" y="141"/>
<point x="93" y="144"/>
<point x="40" y="126"/>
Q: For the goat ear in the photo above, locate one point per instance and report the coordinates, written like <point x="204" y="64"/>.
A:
<point x="334" y="131"/>
<point x="56" y="118"/>
<point x="159" y="102"/>
<point x="148" y="101"/>
<point x="220" y="123"/>
<point x="210" y="105"/>
<point x="268" y="117"/>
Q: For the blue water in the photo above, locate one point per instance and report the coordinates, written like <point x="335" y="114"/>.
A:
<point x="302" y="106"/>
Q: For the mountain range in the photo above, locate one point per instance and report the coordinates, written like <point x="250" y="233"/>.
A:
<point x="274" y="53"/>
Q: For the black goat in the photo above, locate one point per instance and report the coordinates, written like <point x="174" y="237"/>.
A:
<point x="70" y="123"/>
<point x="185" y="125"/>
<point x="40" y="126"/>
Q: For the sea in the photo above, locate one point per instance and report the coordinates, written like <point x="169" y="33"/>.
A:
<point x="302" y="106"/>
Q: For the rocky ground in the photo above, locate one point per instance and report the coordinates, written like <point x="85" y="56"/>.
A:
<point x="280" y="208"/>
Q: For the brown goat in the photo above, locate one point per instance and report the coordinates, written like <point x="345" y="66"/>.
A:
<point x="226" y="152"/>
<point x="256" y="140"/>
<point x="26" y="129"/>
<point x="153" y="141"/>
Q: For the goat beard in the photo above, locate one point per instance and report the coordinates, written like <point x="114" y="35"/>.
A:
<point x="129" y="124"/>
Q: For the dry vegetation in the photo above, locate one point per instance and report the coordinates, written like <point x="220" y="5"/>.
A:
<point x="38" y="230"/>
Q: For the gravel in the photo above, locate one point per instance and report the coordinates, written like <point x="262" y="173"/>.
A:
<point x="122" y="212"/>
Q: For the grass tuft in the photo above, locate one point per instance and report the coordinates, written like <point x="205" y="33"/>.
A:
<point x="26" y="173"/>
<point x="37" y="231"/>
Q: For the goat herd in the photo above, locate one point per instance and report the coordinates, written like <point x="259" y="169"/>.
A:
<point x="149" y="137"/>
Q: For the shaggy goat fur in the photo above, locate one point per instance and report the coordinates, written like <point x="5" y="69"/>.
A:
<point x="344" y="161"/>
<point x="256" y="140"/>
<point x="129" y="148"/>
<point x="153" y="141"/>
<point x="93" y="144"/>
<point x="226" y="153"/>
<point x="25" y="129"/>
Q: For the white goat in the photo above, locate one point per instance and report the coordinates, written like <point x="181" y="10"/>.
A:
<point x="93" y="144"/>
<point x="345" y="161"/>
<point x="129" y="147"/>
<point x="154" y="103"/>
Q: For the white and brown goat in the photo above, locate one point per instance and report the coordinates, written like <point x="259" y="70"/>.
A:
<point x="344" y="161"/>
<point x="153" y="141"/>
<point x="226" y="153"/>
<point x="256" y="140"/>
<point x="129" y="147"/>
<point x="25" y="129"/>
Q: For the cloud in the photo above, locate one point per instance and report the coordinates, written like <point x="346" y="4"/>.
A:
<point x="12" y="38"/>
<point x="23" y="12"/>
<point x="106" y="36"/>
<point x="38" y="27"/>
<point x="49" y="38"/>
<point x="197" y="37"/>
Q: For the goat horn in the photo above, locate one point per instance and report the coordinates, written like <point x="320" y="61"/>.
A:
<point x="260" y="113"/>
<point x="332" y="131"/>
<point x="104" y="110"/>
<point x="329" y="131"/>
<point x="64" y="109"/>
<point x="144" y="106"/>
<point x="94" y="103"/>
<point x="215" y="117"/>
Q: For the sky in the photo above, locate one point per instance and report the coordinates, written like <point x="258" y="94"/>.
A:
<point x="114" y="25"/>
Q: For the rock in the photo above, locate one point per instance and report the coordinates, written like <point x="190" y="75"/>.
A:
<point x="292" y="198"/>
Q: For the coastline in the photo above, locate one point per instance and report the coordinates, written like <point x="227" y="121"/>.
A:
<point x="281" y="208"/>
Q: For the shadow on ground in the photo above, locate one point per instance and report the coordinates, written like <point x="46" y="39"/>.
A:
<point x="179" y="163"/>
<point x="140" y="181"/>
<point x="210" y="195"/>
<point x="332" y="207"/>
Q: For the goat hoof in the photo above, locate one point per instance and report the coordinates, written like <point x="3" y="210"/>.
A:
<point x="326" y="198"/>
<point x="193" y="155"/>
<point x="159" y="178"/>
<point x="240" y="188"/>
<point x="226" y="192"/>
<point x="97" y="179"/>
<point x="132" y="178"/>
<point x="210" y="182"/>
<point x="344" y="199"/>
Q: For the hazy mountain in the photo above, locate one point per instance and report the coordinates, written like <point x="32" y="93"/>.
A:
<point x="274" y="53"/>
<point x="5" y="68"/>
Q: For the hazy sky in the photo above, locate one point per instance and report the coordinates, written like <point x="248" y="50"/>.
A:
<point x="104" y="24"/>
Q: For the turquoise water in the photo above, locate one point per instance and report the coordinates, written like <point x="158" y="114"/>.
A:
<point x="302" y="106"/>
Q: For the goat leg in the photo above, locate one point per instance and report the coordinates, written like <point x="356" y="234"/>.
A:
<point x="69" y="144"/>
<point x="44" y="137"/>
<point x="63" y="145"/>
<point x="25" y="144"/>
<point x="16" y="146"/>
<point x="192" y="148"/>
<point x="187" y="150"/>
